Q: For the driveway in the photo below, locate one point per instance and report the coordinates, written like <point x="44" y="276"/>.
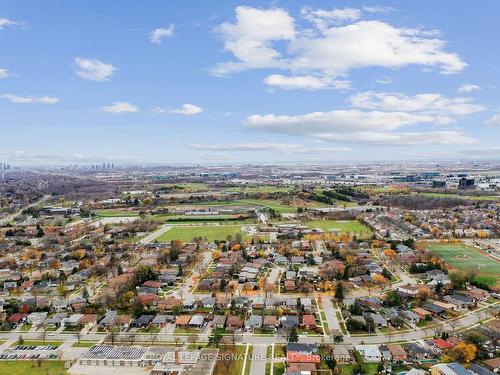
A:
<point x="258" y="365"/>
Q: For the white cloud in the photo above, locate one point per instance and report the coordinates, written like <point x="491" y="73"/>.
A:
<point x="5" y="22"/>
<point x="493" y="120"/>
<point x="307" y="82"/>
<point x="30" y="99"/>
<point x="327" y="50"/>
<point x="3" y="73"/>
<point x="423" y="103"/>
<point x="403" y="138"/>
<point x="250" y="38"/>
<point x="371" y="43"/>
<point x="282" y="148"/>
<point x="157" y="35"/>
<point x="468" y="88"/>
<point x="357" y="126"/>
<point x="322" y="19"/>
<point x="378" y="9"/>
<point x="94" y="70"/>
<point x="188" y="110"/>
<point x="120" y="107"/>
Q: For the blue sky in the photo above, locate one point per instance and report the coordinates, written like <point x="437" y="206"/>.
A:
<point x="227" y="82"/>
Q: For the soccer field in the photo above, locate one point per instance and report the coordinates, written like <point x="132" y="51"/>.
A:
<point x="208" y="233"/>
<point x="466" y="258"/>
<point x="341" y="226"/>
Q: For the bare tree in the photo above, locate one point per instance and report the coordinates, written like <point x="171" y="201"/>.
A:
<point x="193" y="338"/>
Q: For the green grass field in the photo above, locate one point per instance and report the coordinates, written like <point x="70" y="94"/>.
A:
<point x="466" y="258"/>
<point x="262" y="188"/>
<point x="230" y="219"/>
<point x="32" y="368"/>
<point x="116" y="213"/>
<point x="210" y="233"/>
<point x="469" y="197"/>
<point x="341" y="226"/>
<point x="278" y="206"/>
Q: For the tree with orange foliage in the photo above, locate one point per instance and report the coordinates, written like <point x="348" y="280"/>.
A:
<point x="236" y="247"/>
<point x="379" y="279"/>
<point x="216" y="255"/>
<point x="391" y="254"/>
<point x="423" y="293"/>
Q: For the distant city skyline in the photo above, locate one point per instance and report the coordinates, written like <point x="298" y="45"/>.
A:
<point x="248" y="82"/>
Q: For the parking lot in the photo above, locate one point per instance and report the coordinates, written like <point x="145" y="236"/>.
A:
<point x="20" y="352"/>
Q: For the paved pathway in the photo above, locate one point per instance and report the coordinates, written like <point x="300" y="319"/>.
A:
<point x="154" y="235"/>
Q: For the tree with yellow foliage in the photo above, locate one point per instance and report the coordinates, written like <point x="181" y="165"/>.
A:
<point x="481" y="234"/>
<point x="79" y="254"/>
<point x="464" y="352"/>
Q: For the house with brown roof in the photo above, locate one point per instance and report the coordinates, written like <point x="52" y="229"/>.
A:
<point x="308" y="321"/>
<point x="270" y="322"/>
<point x="167" y="304"/>
<point x="492" y="364"/>
<point x="122" y="322"/>
<point x="182" y="320"/>
<point x="234" y="322"/>
<point x="88" y="321"/>
<point x="149" y="300"/>
<point x="302" y="368"/>
<point x="422" y="313"/>
<point x="289" y="285"/>
<point x="397" y="352"/>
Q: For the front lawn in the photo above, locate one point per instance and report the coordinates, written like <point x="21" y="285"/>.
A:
<point x="32" y="367"/>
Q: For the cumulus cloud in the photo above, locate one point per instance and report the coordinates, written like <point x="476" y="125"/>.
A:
<point x="94" y="70"/>
<point x="468" y="88"/>
<point x="282" y="148"/>
<point x="157" y="35"/>
<point x="120" y="107"/>
<point x="3" y="73"/>
<point x="423" y="103"/>
<point x="270" y="38"/>
<point x="188" y="110"/>
<point x="493" y="120"/>
<point x="30" y="99"/>
<point x="307" y="82"/>
<point x="250" y="38"/>
<point x="356" y="126"/>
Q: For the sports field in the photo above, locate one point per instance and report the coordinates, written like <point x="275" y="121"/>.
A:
<point x="279" y="205"/>
<point x="116" y="213"/>
<point x="341" y="226"/>
<point x="208" y="233"/>
<point x="467" y="258"/>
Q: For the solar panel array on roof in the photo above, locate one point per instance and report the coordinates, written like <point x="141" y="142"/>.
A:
<point x="114" y="352"/>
